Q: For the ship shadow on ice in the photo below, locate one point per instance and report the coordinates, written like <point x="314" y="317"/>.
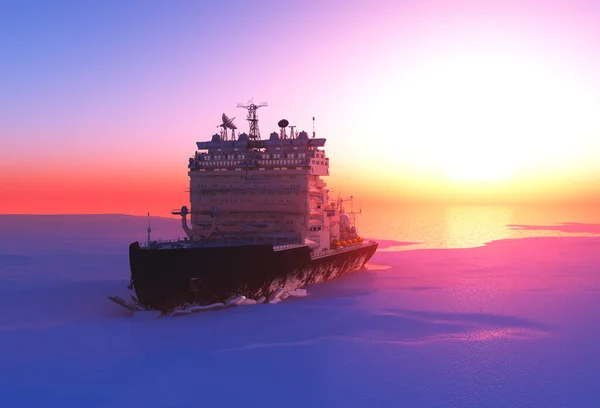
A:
<point x="355" y="284"/>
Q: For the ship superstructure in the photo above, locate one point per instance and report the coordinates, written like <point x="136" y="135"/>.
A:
<point x="245" y="189"/>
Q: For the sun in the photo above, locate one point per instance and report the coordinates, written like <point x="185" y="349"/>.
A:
<point x="480" y="155"/>
<point x="491" y="115"/>
<point x="473" y="167"/>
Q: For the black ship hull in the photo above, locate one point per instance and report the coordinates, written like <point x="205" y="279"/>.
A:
<point x="168" y="278"/>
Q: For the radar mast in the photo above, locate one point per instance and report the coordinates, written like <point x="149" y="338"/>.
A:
<point x="254" y="134"/>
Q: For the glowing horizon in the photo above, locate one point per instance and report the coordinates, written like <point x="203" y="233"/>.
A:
<point x="458" y="102"/>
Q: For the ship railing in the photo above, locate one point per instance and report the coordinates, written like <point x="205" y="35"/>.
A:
<point x="320" y="253"/>
<point x="346" y="248"/>
<point x="159" y="242"/>
<point x="286" y="246"/>
<point x="235" y="163"/>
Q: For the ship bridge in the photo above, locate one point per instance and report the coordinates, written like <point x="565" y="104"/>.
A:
<point x="300" y="153"/>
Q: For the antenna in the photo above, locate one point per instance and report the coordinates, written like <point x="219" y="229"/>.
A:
<point x="149" y="230"/>
<point x="283" y="123"/>
<point x="252" y="118"/>
<point x="227" y="123"/>
<point x="313" y="127"/>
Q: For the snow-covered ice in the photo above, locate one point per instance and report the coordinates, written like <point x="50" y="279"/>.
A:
<point x="298" y="293"/>
<point x="236" y="301"/>
<point x="511" y="323"/>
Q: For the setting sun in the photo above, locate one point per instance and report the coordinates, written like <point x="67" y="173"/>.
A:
<point x="469" y="166"/>
<point x="487" y="115"/>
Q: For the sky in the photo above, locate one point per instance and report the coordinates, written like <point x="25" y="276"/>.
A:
<point x="101" y="102"/>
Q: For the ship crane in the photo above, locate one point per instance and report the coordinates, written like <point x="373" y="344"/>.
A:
<point x="352" y="214"/>
<point x="341" y="201"/>
<point x="184" y="213"/>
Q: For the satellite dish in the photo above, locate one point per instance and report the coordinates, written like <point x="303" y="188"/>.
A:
<point x="283" y="123"/>
<point x="228" y="123"/>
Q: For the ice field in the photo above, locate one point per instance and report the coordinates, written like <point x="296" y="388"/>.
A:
<point x="512" y="323"/>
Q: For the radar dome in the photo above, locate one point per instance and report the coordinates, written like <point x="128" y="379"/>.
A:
<point x="283" y="123"/>
<point x="274" y="136"/>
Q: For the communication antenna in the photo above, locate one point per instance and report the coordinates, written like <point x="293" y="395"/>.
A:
<point x="149" y="230"/>
<point x="252" y="118"/>
<point x="227" y="123"/>
<point x="313" y="127"/>
<point x="283" y="123"/>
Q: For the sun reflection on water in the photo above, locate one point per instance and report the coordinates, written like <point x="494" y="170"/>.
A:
<point x="464" y="226"/>
<point x="469" y="226"/>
